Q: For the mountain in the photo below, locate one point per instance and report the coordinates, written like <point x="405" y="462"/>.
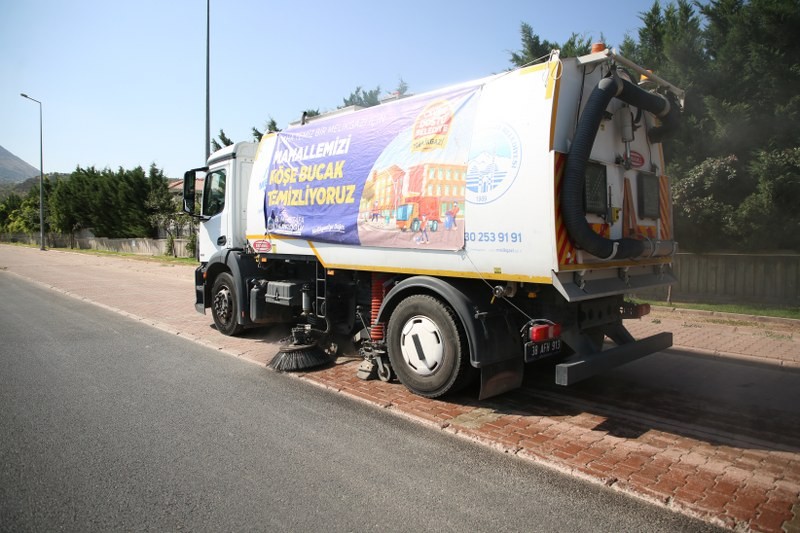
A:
<point x="13" y="169"/>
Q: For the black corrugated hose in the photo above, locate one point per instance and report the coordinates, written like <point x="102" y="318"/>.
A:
<point x="572" y="189"/>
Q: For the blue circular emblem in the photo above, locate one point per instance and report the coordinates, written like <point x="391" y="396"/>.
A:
<point x="493" y="164"/>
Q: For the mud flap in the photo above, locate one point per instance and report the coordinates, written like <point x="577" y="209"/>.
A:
<point x="199" y="290"/>
<point x="501" y="377"/>
<point x="582" y="366"/>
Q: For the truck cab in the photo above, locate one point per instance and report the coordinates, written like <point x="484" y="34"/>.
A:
<point x="223" y="202"/>
<point x="223" y="212"/>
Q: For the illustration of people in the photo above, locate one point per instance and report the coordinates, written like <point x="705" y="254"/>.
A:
<point x="423" y="230"/>
<point x="376" y="212"/>
<point x="453" y="213"/>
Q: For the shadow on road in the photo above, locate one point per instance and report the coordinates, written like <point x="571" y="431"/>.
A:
<point x="719" y="401"/>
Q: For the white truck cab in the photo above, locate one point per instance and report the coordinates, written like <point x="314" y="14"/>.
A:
<point x="223" y="208"/>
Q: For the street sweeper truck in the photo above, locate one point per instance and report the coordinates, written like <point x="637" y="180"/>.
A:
<point x="453" y="235"/>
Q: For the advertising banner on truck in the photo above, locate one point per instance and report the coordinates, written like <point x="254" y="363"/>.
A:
<point x="393" y="175"/>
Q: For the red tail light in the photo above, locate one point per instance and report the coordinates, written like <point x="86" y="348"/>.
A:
<point x="544" y="332"/>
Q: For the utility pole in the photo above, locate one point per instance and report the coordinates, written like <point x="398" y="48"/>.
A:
<point x="41" y="172"/>
<point x="208" y="79"/>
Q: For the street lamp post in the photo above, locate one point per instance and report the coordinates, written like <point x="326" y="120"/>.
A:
<point x="208" y="80"/>
<point x="41" y="172"/>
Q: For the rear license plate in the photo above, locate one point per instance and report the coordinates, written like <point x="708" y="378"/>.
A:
<point x="539" y="350"/>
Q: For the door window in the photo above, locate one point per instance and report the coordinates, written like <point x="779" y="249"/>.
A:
<point x="214" y="193"/>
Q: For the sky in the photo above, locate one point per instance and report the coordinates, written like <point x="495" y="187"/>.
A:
<point x="122" y="82"/>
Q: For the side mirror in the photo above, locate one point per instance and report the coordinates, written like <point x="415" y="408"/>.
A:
<point x="189" y="194"/>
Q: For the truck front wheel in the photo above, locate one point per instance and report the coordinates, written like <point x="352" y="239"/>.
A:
<point x="224" y="305"/>
<point x="427" y="347"/>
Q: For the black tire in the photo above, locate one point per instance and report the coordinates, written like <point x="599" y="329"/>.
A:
<point x="416" y="225"/>
<point x="427" y="347"/>
<point x="434" y="225"/>
<point x="224" y="305"/>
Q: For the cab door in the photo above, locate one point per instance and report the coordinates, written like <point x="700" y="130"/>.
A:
<point x="215" y="229"/>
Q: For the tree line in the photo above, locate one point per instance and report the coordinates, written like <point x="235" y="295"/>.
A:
<point x="116" y="204"/>
<point x="735" y="161"/>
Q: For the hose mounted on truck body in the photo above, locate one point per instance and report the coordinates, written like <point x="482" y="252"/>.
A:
<point x="572" y="191"/>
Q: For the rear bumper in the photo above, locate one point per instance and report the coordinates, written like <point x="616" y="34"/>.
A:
<point x="581" y="366"/>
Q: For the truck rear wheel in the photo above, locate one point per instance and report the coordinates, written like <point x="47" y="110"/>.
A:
<point x="427" y="347"/>
<point x="224" y="305"/>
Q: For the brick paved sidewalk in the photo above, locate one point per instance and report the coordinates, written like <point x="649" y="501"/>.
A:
<point x="759" y="339"/>
<point x="747" y="487"/>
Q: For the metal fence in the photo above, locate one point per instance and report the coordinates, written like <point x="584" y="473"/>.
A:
<point x="735" y="278"/>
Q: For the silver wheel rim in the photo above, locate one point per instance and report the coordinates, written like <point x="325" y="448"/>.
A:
<point x="222" y="304"/>
<point x="421" y="345"/>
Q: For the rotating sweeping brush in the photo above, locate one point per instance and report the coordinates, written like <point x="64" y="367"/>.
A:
<point x="302" y="353"/>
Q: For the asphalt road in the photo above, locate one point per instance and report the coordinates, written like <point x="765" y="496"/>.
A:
<point x="108" y="424"/>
